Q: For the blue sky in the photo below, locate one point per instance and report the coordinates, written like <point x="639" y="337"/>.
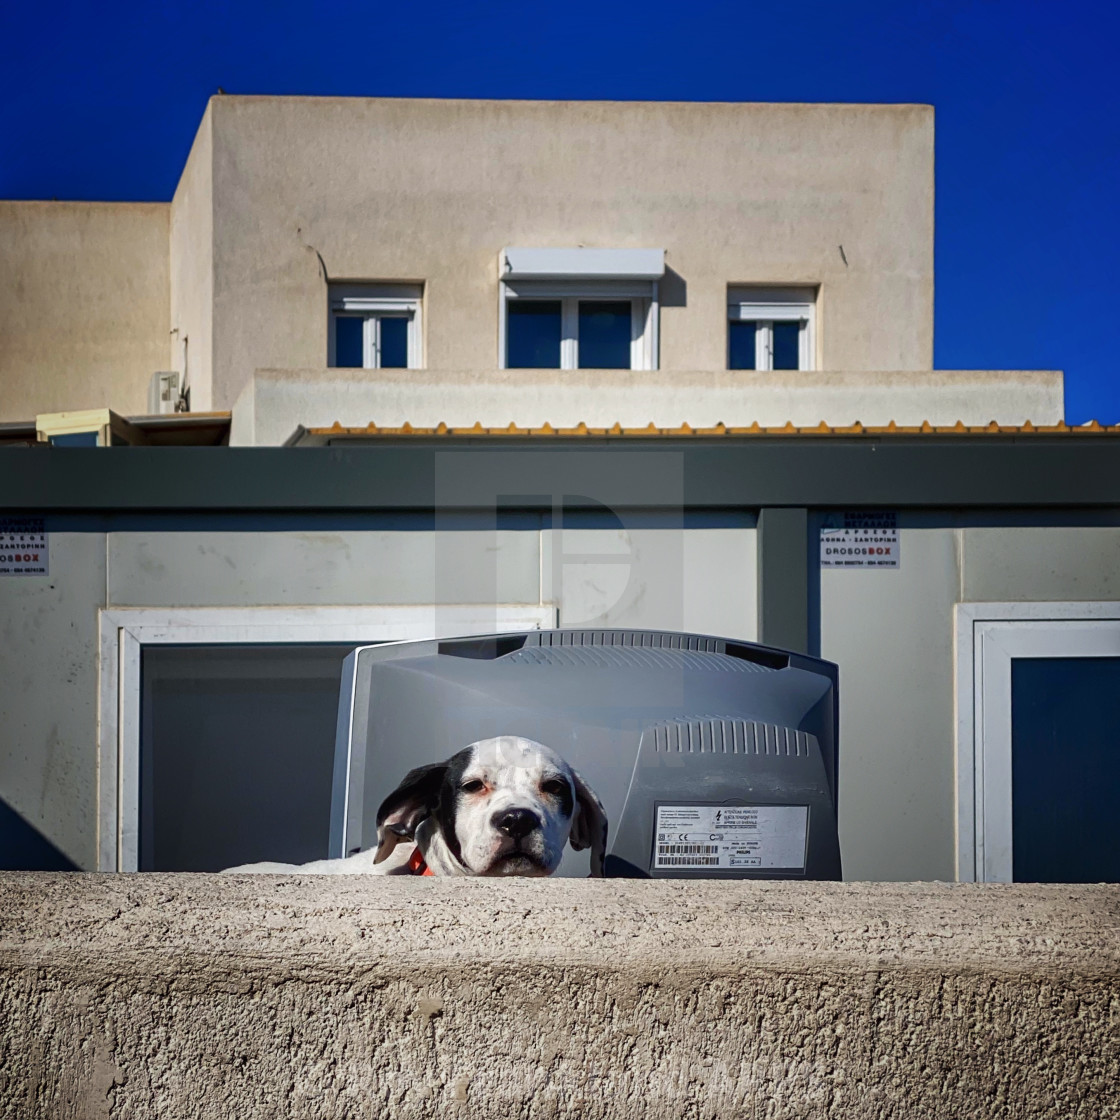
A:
<point x="101" y="101"/>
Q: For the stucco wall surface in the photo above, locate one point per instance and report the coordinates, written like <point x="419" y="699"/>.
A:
<point x="195" y="996"/>
<point x="276" y="402"/>
<point x="84" y="313"/>
<point x="191" y="252"/>
<point x="401" y="189"/>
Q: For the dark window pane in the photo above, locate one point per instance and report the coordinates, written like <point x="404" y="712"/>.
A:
<point x="236" y="754"/>
<point x="75" y="439"/>
<point x="787" y="344"/>
<point x="740" y="350"/>
<point x="604" y="335"/>
<point x="533" y="334"/>
<point x="1065" y="769"/>
<point x="348" y="342"/>
<point x="394" y="343"/>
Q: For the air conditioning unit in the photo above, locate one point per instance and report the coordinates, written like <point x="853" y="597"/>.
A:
<point x="164" y="392"/>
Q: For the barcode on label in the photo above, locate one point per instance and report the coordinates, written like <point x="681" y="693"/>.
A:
<point x="687" y="849"/>
<point x="690" y="861"/>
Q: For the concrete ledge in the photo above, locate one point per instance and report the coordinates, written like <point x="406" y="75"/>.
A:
<point x="275" y="402"/>
<point x="199" y="996"/>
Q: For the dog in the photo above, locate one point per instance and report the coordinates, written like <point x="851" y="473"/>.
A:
<point x="501" y="806"/>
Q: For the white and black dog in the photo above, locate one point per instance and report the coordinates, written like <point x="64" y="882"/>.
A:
<point x="502" y="806"/>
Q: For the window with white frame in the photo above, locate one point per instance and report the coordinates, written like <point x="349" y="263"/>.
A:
<point x="375" y="326"/>
<point x="1038" y="773"/>
<point x="258" y="687"/>
<point x="580" y="308"/>
<point x="770" y="328"/>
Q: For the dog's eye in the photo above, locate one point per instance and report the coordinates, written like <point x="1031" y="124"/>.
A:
<point x="555" y="787"/>
<point x="476" y="785"/>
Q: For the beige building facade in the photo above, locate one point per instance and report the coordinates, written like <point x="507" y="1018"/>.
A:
<point x="820" y="215"/>
<point x="84" y="307"/>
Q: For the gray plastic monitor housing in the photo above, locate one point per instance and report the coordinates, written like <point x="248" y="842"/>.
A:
<point x="655" y="721"/>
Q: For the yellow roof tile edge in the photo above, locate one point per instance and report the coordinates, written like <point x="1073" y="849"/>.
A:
<point x="720" y="429"/>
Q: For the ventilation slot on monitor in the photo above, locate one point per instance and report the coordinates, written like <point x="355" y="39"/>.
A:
<point x="632" y="657"/>
<point x="646" y="639"/>
<point x="757" y="655"/>
<point x="713" y="735"/>
<point x="483" y="649"/>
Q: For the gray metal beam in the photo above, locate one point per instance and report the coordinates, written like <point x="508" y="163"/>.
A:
<point x="783" y="578"/>
<point x="1073" y="472"/>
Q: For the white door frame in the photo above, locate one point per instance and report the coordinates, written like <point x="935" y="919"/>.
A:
<point x="124" y="631"/>
<point x="988" y="637"/>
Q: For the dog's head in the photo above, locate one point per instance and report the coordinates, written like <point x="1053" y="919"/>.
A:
<point x="503" y="806"/>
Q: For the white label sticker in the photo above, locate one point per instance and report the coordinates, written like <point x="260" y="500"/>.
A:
<point x="23" y="546"/>
<point x="859" y="548"/>
<point x="860" y="539"/>
<point x="732" y="837"/>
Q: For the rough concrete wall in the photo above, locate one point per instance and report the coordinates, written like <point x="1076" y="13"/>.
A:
<point x="192" y="269"/>
<point x="431" y="191"/>
<point x="195" y="996"/>
<point x="83" y="305"/>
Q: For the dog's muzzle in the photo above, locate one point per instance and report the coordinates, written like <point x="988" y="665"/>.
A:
<point x="516" y="823"/>
<point x="517" y="854"/>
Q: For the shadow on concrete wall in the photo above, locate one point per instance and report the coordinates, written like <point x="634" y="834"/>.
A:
<point x="24" y="848"/>
<point x="673" y="289"/>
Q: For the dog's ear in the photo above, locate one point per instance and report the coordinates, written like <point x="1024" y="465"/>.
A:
<point x="413" y="800"/>
<point x="589" y="825"/>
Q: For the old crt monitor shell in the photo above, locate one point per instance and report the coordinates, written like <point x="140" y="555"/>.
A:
<point x="713" y="758"/>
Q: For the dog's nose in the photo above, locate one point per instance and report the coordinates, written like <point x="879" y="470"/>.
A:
<point x="517" y="823"/>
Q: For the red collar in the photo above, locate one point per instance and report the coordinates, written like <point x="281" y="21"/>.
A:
<point x="417" y="865"/>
